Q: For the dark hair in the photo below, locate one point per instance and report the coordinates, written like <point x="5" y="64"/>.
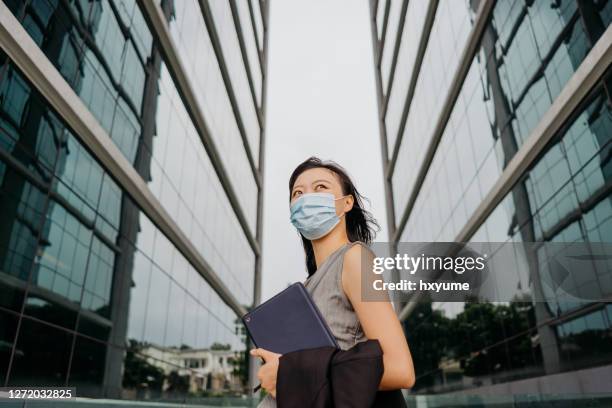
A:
<point x="360" y="224"/>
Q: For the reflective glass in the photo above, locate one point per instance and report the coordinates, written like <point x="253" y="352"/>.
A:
<point x="193" y="42"/>
<point x="393" y="20"/>
<point x="500" y="103"/>
<point x="413" y="27"/>
<point x="111" y="304"/>
<point x="448" y="35"/>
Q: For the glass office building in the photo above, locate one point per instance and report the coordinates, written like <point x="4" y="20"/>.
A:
<point x="496" y="126"/>
<point x="131" y="137"/>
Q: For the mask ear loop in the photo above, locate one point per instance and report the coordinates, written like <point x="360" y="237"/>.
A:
<point x="340" y="198"/>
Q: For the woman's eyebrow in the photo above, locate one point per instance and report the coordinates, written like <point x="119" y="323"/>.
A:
<point x="318" y="181"/>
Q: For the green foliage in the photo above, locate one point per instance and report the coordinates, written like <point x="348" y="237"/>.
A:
<point x="220" y="346"/>
<point x="178" y="384"/>
<point x="477" y="338"/>
<point x="138" y="373"/>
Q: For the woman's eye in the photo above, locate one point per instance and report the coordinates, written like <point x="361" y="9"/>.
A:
<point x="319" y="187"/>
<point x="297" y="193"/>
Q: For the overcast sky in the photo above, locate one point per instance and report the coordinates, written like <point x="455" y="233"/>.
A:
<point x="321" y="101"/>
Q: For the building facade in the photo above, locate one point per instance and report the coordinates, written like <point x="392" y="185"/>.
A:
<point x="202" y="370"/>
<point x="130" y="191"/>
<point x="496" y="126"/>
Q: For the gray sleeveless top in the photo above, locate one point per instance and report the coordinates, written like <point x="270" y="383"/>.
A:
<point x="325" y="288"/>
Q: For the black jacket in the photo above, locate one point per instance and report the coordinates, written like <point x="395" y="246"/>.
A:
<point x="329" y="377"/>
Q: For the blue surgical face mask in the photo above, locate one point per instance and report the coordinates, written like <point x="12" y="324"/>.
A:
<point x="314" y="214"/>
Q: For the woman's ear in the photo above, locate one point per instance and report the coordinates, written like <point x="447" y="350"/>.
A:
<point x="348" y="203"/>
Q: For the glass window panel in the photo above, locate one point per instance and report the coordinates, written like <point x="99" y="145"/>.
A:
<point x="157" y="311"/>
<point x="27" y="369"/>
<point x="395" y="8"/>
<point x="258" y="18"/>
<point x="8" y="329"/>
<point x="87" y="368"/>
<point x="380" y="16"/>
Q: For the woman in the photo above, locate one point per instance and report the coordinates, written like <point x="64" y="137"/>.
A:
<point x="328" y="212"/>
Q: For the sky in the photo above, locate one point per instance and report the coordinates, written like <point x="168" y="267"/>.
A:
<point x="321" y="101"/>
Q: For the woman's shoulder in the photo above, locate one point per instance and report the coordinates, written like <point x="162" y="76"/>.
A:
<point x="358" y="260"/>
<point x="358" y="248"/>
<point x="356" y="256"/>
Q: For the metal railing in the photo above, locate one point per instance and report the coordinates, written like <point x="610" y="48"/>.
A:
<point x="413" y="401"/>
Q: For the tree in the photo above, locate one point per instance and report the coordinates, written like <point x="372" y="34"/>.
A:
<point x="485" y="329"/>
<point x="138" y="373"/>
<point x="220" y="346"/>
<point x="427" y="334"/>
<point x="177" y="384"/>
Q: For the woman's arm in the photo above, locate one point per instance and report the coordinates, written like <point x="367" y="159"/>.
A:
<point x="379" y="321"/>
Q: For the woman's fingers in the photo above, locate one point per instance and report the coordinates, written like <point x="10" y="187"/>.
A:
<point x="265" y="354"/>
<point x="268" y="371"/>
<point x="267" y="377"/>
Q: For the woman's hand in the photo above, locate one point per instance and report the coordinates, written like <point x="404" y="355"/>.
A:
<point x="268" y="371"/>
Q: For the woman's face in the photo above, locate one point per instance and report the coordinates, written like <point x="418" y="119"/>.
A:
<point x="321" y="180"/>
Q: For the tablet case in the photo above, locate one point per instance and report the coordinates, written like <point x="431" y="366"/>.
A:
<point x="289" y="321"/>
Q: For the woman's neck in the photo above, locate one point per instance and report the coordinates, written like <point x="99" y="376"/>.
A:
<point x="324" y="247"/>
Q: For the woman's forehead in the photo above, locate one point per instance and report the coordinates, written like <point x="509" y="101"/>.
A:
<point x="319" y="173"/>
